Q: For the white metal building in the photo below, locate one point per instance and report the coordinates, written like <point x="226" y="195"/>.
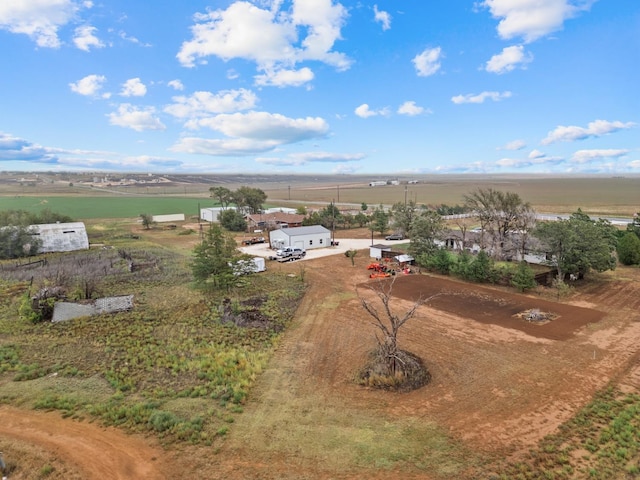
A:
<point x="210" y="214"/>
<point x="281" y="209"/>
<point x="175" y="217"/>
<point x="61" y="237"/>
<point x="306" y="238"/>
<point x="375" y="251"/>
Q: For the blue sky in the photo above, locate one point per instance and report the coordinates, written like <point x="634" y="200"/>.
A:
<point x="321" y="86"/>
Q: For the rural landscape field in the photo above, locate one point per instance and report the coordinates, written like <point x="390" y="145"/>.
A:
<point x="169" y="390"/>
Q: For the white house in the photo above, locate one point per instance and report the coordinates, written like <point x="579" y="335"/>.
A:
<point x="61" y="237"/>
<point x="306" y="238"/>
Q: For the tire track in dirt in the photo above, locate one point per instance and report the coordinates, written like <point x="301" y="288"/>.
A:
<point x="97" y="453"/>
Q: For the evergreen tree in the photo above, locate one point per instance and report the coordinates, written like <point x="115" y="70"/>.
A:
<point x="379" y="220"/>
<point x="524" y="278"/>
<point x="213" y="260"/>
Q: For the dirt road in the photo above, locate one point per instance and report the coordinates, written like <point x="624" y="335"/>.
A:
<point x="88" y="451"/>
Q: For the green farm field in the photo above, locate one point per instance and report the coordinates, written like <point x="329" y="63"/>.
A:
<point x="92" y="207"/>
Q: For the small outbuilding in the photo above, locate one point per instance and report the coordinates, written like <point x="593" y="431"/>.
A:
<point x="61" y="237"/>
<point x="210" y="214"/>
<point x="375" y="251"/>
<point x="306" y="238"/>
<point x="175" y="217"/>
<point x="404" y="259"/>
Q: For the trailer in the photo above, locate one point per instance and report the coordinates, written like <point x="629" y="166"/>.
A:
<point x="253" y="240"/>
<point x="252" y="265"/>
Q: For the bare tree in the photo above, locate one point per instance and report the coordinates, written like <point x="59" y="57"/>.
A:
<point x="463" y="224"/>
<point x="498" y="213"/>
<point x="394" y="363"/>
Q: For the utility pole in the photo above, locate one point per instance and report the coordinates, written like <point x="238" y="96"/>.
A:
<point x="289" y="188"/>
<point x="338" y="193"/>
<point x="333" y="222"/>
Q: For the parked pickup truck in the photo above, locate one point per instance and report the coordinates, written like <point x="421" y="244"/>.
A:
<point x="253" y="240"/>
<point x="289" y="254"/>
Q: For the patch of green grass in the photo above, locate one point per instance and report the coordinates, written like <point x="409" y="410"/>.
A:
<point x="90" y="207"/>
<point x="608" y="428"/>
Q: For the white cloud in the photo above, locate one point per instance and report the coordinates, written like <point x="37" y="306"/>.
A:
<point x="131" y="39"/>
<point x="327" y="157"/>
<point x="202" y="104"/>
<point x="133" y="88"/>
<point x="15" y="148"/>
<point x="136" y="118"/>
<point x="481" y="97"/>
<point x="251" y="133"/>
<point x="508" y="60"/>
<point x="427" y="63"/>
<point x="89" y="86"/>
<point x="40" y="19"/>
<point x="265" y="126"/>
<point x="514" y="145"/>
<point x="271" y="38"/>
<point x="383" y="17"/>
<point x="410" y="108"/>
<point x="176" y="85"/>
<point x="363" y="111"/>
<point x="285" y="78"/>
<point x="224" y="147"/>
<point x="634" y="164"/>
<point x="533" y="19"/>
<point x="535" y="158"/>
<point x="305" y="158"/>
<point x="84" y="38"/>
<point x="588" y="156"/>
<point x="596" y="128"/>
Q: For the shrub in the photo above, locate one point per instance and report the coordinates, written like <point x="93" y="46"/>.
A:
<point x="161" y="421"/>
<point x="629" y="249"/>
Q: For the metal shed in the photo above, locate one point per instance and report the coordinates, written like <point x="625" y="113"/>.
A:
<point x="61" y="237"/>
<point x="210" y="214"/>
<point x="375" y="251"/>
<point x="306" y="238"/>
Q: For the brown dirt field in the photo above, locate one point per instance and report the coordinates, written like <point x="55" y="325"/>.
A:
<point x="499" y="384"/>
<point x="86" y="450"/>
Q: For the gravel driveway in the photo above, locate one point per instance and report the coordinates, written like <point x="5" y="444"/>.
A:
<point x="263" y="250"/>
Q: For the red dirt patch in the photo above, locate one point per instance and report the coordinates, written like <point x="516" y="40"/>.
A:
<point x="495" y="307"/>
